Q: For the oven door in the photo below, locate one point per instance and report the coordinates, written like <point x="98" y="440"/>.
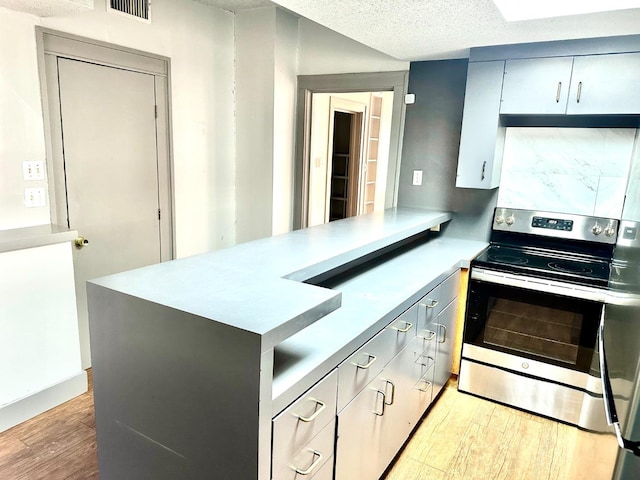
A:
<point x="547" y="322"/>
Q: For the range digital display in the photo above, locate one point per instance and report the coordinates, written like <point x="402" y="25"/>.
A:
<point x="552" y="223"/>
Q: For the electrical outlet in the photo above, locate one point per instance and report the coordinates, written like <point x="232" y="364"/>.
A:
<point x="34" y="197"/>
<point x="33" y="170"/>
<point x="417" y="177"/>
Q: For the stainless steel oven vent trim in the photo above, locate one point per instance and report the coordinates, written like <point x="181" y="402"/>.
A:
<point x="582" y="292"/>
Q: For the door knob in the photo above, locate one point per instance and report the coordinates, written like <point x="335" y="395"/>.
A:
<point x="81" y="242"/>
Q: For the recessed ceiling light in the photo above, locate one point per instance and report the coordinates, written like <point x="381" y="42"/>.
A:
<point x="513" y="11"/>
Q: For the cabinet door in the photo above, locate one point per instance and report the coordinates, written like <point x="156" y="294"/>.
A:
<point x="373" y="427"/>
<point x="444" y="327"/>
<point x="481" y="138"/>
<point x="536" y="86"/>
<point x="360" y="442"/>
<point x="605" y="84"/>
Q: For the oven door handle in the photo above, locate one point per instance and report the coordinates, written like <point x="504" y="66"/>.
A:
<point x="607" y="393"/>
<point x="540" y="285"/>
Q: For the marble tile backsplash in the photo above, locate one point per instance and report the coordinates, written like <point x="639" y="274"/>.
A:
<point x="567" y="170"/>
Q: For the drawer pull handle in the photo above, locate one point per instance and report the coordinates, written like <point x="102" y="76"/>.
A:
<point x="407" y="327"/>
<point x="443" y="333"/>
<point x="427" y="335"/>
<point x="427" y="385"/>
<point x="433" y="304"/>
<point x="558" y="92"/>
<point x="427" y="362"/>
<point x="317" y="459"/>
<point x="315" y="414"/>
<point x="384" y="402"/>
<point x="372" y="359"/>
<point x="393" y="392"/>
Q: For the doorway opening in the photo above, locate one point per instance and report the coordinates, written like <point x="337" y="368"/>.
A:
<point x="380" y="97"/>
<point x="349" y="154"/>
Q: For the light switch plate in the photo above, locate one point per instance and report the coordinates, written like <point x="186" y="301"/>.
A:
<point x="33" y="170"/>
<point x="417" y="177"/>
<point x="34" y="197"/>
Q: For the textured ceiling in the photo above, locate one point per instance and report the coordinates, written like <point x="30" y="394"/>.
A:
<point x="433" y="29"/>
<point x="48" y="8"/>
<point x="236" y="5"/>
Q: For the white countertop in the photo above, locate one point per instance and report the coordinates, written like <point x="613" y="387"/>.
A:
<point x="36" y="236"/>
<point x="256" y="286"/>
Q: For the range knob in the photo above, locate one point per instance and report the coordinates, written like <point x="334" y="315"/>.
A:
<point x="596" y="229"/>
<point x="609" y="231"/>
<point x="499" y="219"/>
<point x="510" y="220"/>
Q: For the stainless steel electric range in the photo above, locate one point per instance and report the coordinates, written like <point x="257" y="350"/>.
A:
<point x="534" y="304"/>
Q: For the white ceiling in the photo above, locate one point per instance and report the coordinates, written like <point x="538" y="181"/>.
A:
<point x="434" y="29"/>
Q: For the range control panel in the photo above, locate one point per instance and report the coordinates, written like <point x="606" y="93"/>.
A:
<point x="552" y="223"/>
<point x="558" y="225"/>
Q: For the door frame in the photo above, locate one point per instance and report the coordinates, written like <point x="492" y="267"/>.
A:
<point x="358" y="114"/>
<point x="337" y="83"/>
<point x="51" y="45"/>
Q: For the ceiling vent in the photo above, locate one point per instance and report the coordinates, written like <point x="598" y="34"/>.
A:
<point x="132" y="8"/>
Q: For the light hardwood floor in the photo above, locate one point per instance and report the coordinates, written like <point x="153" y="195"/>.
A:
<point x="465" y="437"/>
<point x="462" y="437"/>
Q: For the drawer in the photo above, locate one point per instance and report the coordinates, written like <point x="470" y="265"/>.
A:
<point x="368" y="361"/>
<point x="306" y="417"/>
<point x="309" y="461"/>
<point x="436" y="300"/>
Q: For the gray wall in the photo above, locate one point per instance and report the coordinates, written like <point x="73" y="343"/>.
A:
<point x="431" y="142"/>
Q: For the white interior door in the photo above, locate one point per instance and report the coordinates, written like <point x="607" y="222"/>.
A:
<point x="108" y="130"/>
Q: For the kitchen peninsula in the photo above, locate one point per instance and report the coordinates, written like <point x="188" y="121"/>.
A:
<point x="198" y="362"/>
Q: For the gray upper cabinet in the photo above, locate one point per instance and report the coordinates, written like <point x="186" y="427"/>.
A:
<point x="536" y="86"/>
<point x="480" y="155"/>
<point x="605" y="85"/>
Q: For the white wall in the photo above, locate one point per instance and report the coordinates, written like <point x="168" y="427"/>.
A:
<point x="284" y="101"/>
<point x="323" y="51"/>
<point x="199" y="41"/>
<point x="255" y="37"/>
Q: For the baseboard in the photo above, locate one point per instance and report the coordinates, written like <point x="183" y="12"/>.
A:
<point x="28" y="407"/>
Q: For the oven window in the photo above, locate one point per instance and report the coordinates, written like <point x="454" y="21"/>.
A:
<point x="532" y="324"/>
<point x="542" y="331"/>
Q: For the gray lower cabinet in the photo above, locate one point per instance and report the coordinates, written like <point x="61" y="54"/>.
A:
<point x="304" y="433"/>
<point x="374" y="423"/>
<point x="444" y="327"/>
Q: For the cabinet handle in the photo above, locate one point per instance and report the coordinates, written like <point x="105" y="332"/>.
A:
<point x="579" y="92"/>
<point x="318" y="458"/>
<point x="407" y="327"/>
<point x="431" y="305"/>
<point x="427" y="385"/>
<point x="429" y="360"/>
<point x="443" y="329"/>
<point x="372" y="359"/>
<point x="558" y="92"/>
<point x="429" y="335"/>
<point x="484" y="166"/>
<point x="384" y="403"/>
<point x="315" y="414"/>
<point x="393" y="392"/>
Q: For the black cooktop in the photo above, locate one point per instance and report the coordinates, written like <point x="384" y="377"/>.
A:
<point x="556" y="265"/>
